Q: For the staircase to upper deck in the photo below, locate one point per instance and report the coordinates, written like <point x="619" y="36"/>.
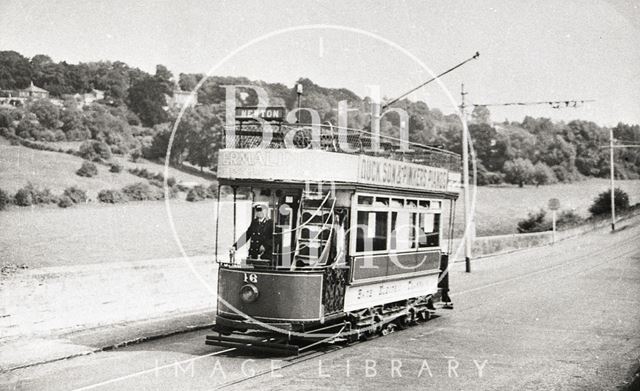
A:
<point x="315" y="227"/>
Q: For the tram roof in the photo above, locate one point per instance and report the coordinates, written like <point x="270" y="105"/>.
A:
<point x="301" y="153"/>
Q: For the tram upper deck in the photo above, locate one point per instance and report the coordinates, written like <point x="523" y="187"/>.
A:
<point x="282" y="152"/>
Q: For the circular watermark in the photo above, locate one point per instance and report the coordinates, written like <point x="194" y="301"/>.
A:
<point x="213" y="288"/>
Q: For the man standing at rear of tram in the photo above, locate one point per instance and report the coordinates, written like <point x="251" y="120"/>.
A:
<point x="260" y="235"/>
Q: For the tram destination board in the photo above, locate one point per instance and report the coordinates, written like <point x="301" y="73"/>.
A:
<point x="273" y="113"/>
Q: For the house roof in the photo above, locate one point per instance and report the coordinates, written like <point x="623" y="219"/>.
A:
<point x="33" y="88"/>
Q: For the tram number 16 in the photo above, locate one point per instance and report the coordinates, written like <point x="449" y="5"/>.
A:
<point x="250" y="278"/>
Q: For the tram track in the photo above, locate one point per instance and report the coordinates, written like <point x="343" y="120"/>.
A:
<point x="607" y="250"/>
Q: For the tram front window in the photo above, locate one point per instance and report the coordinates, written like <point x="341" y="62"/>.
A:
<point x="254" y="225"/>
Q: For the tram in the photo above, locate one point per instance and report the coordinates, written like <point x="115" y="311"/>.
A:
<point x="328" y="234"/>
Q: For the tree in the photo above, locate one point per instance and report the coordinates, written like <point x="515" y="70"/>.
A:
<point x="147" y="99"/>
<point x="490" y="148"/>
<point x="204" y="138"/>
<point x="481" y="115"/>
<point x="518" y="171"/>
<point x="164" y="77"/>
<point x="47" y="113"/>
<point x="15" y="70"/>
<point x="543" y="174"/>
<point x="188" y="82"/>
<point x="602" y="203"/>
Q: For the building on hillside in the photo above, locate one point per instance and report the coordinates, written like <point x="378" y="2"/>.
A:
<point x="33" y="92"/>
<point x="86" y="98"/>
<point x="92" y="96"/>
<point x="181" y="98"/>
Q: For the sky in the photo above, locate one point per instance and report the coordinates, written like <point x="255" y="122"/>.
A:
<point x="529" y="50"/>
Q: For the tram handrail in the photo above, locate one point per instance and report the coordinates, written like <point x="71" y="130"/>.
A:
<point x="248" y="135"/>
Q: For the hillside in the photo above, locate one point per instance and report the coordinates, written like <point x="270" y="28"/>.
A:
<point x="136" y="112"/>
<point x="56" y="171"/>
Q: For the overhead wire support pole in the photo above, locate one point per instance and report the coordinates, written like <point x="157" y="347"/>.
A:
<point x="612" y="169"/>
<point x="465" y="183"/>
<point x="612" y="172"/>
<point x="430" y="80"/>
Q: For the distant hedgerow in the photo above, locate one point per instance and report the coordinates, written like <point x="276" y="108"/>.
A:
<point x="199" y="193"/>
<point x="65" y="202"/>
<point x="32" y="195"/>
<point x="75" y="194"/>
<point x="141" y="191"/>
<point x="111" y="196"/>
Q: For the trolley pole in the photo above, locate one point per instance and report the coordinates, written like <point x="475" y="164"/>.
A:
<point x="612" y="168"/>
<point x="465" y="184"/>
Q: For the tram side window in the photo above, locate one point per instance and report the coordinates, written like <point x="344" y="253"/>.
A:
<point x="403" y="231"/>
<point x="371" y="231"/>
<point x="429" y="230"/>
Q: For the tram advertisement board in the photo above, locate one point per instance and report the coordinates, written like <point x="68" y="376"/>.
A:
<point x="304" y="165"/>
<point x="388" y="172"/>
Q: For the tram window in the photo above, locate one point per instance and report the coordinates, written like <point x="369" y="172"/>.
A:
<point x="424" y="204"/>
<point x="429" y="230"/>
<point x="381" y="201"/>
<point x="412" y="203"/>
<point x="397" y="202"/>
<point x="371" y="231"/>
<point x="365" y="200"/>
<point x="403" y="230"/>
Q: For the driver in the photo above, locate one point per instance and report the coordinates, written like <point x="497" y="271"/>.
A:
<point x="260" y="235"/>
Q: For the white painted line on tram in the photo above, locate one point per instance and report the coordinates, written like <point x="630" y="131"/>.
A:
<point x="135" y="374"/>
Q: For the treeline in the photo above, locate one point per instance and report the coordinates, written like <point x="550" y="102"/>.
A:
<point x="134" y="118"/>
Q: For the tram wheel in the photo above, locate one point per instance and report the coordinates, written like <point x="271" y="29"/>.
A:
<point x="388" y="329"/>
<point x="404" y="321"/>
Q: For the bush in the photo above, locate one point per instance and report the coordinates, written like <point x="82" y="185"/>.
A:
<point x="32" y="195"/>
<point x="88" y="170"/>
<point x="59" y="135"/>
<point x="115" y="167"/>
<point x="173" y="190"/>
<point x="23" y="197"/>
<point x="94" y="150"/>
<point x="75" y="194"/>
<point x="141" y="191"/>
<point x="568" y="218"/>
<point x="199" y="193"/>
<point x="535" y="222"/>
<point x="65" y="202"/>
<point x="4" y="199"/>
<point x="602" y="204"/>
<point x="111" y="196"/>
<point x="135" y="155"/>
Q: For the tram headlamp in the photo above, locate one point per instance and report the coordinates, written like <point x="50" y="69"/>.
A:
<point x="249" y="293"/>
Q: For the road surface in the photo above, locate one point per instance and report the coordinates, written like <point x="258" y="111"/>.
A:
<point x="562" y="317"/>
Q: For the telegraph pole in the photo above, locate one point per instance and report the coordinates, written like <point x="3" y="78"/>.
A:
<point x="612" y="169"/>
<point x="465" y="183"/>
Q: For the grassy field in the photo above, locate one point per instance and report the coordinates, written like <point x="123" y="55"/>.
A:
<point x="136" y="231"/>
<point x="56" y="171"/>
<point x="499" y="208"/>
